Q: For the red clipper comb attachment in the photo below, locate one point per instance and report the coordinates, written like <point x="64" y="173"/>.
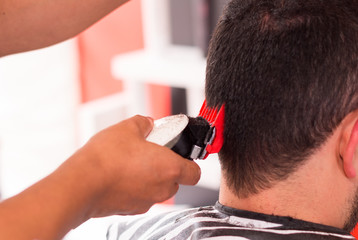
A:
<point x="215" y="117"/>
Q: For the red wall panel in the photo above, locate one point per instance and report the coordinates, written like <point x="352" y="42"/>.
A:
<point x="119" y="32"/>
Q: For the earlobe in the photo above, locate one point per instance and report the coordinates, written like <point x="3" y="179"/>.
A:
<point x="348" y="152"/>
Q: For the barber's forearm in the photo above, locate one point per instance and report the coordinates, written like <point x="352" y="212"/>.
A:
<point x="50" y="208"/>
<point x="31" y="24"/>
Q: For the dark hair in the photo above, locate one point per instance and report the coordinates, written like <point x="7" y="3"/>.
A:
<point x="287" y="73"/>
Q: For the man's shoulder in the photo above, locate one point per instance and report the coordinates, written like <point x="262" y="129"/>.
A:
<point x="220" y="222"/>
<point x="154" y="226"/>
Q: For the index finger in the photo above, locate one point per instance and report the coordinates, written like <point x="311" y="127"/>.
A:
<point x="143" y="125"/>
<point x="190" y="172"/>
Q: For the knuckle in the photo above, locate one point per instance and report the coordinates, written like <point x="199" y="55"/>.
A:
<point x="137" y="117"/>
<point x="138" y="123"/>
<point x="165" y="195"/>
<point x="173" y="173"/>
<point x="143" y="209"/>
<point x="197" y="175"/>
<point x="160" y="198"/>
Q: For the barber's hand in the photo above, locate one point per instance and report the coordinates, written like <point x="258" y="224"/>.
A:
<point x="116" y="172"/>
<point x="127" y="174"/>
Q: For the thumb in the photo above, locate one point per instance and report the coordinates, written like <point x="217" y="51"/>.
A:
<point x="143" y="124"/>
<point x="190" y="172"/>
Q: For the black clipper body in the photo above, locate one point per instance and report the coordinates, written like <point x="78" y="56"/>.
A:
<point x="185" y="135"/>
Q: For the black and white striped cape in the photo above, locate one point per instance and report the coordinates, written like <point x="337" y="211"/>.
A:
<point x="222" y="223"/>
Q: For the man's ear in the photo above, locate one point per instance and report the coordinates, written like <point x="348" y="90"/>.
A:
<point x="349" y="145"/>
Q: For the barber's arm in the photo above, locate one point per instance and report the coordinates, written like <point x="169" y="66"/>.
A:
<point x="31" y="24"/>
<point x="116" y="172"/>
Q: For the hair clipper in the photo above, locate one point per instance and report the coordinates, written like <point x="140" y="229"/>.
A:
<point x="192" y="138"/>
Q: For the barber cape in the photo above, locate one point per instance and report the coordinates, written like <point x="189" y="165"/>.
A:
<point x="221" y="223"/>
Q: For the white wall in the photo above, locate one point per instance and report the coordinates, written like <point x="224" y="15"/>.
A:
<point x="39" y="110"/>
<point x="39" y="98"/>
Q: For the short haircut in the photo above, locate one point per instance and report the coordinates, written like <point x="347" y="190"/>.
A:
<point x="287" y="73"/>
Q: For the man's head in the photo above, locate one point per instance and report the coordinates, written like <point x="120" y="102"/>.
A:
<point x="287" y="72"/>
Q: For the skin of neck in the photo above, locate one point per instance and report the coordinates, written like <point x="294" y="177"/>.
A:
<point x="319" y="191"/>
